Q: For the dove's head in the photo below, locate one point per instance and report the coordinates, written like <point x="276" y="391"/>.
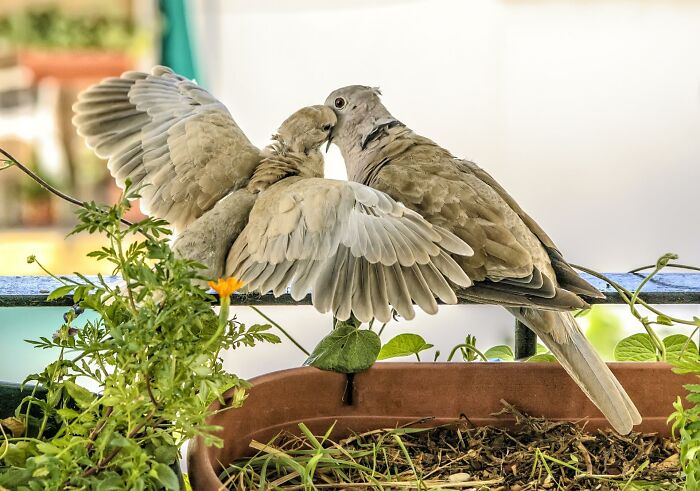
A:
<point x="359" y="112"/>
<point x="306" y="129"/>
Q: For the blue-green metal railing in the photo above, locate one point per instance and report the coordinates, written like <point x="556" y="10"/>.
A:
<point x="663" y="288"/>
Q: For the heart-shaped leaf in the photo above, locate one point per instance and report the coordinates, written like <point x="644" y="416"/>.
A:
<point x="542" y="357"/>
<point x="680" y="346"/>
<point x="347" y="350"/>
<point x="500" y="352"/>
<point x="637" y="347"/>
<point x="403" y="345"/>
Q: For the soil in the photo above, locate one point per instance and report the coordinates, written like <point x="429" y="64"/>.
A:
<point x="533" y="454"/>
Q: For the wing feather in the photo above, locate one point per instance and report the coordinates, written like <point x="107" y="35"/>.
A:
<point x="165" y="131"/>
<point x="360" y="252"/>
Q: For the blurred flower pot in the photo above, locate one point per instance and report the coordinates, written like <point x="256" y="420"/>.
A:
<point x="38" y="212"/>
<point x="392" y="394"/>
<point x="78" y="64"/>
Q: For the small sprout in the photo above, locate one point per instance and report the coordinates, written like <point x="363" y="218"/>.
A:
<point x="239" y="396"/>
<point x="31" y="259"/>
<point x="665" y="259"/>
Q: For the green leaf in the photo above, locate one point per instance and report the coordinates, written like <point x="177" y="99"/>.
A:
<point x="542" y="357"/>
<point x="165" y="454"/>
<point x="347" y="350"/>
<point x="60" y="292"/>
<point x="80" y="395"/>
<point x="541" y="349"/>
<point x="165" y="476"/>
<point x="47" y="449"/>
<point x="664" y="320"/>
<point x="637" y="347"/>
<point x="110" y="483"/>
<point x="680" y="346"/>
<point x="502" y="352"/>
<point x="403" y="345"/>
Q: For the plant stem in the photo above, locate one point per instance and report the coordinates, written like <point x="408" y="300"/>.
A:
<point x="468" y="347"/>
<point x="286" y="334"/>
<point x="670" y="265"/>
<point x="626" y="296"/>
<point x="223" y="320"/>
<point x="46" y="185"/>
<point x="98" y="427"/>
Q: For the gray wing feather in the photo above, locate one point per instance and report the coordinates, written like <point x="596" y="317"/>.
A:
<point x="167" y="134"/>
<point x="359" y="251"/>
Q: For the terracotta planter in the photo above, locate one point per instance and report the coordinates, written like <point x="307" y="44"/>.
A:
<point x="76" y="64"/>
<point x="38" y="213"/>
<point x="391" y="394"/>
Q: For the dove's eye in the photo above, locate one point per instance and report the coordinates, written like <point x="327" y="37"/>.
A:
<point x="339" y="103"/>
<point x="326" y="127"/>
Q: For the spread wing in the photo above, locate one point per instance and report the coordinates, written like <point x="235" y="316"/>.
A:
<point x="165" y="132"/>
<point x="358" y="250"/>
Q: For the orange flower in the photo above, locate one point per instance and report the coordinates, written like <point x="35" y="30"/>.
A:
<point x="226" y="286"/>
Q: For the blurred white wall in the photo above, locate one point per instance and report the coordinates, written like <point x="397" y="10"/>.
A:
<point x="588" y="112"/>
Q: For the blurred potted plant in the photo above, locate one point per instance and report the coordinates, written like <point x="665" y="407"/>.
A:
<point x="36" y="205"/>
<point x="151" y="356"/>
<point x="53" y="43"/>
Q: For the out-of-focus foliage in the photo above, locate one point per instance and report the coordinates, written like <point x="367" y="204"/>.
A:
<point x="604" y="330"/>
<point x="52" y="28"/>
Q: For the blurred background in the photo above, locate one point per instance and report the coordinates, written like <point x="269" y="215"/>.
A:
<point x="588" y="112"/>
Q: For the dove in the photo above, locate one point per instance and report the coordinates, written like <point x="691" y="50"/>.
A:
<point x="266" y="216"/>
<point x="358" y="251"/>
<point x="515" y="263"/>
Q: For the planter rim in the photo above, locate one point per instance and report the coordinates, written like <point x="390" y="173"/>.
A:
<point x="401" y="365"/>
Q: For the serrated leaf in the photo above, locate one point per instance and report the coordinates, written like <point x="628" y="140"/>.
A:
<point x="80" y="395"/>
<point x="679" y="346"/>
<point x="542" y="358"/>
<point x="166" y="476"/>
<point x="111" y="483"/>
<point x="60" y="292"/>
<point x="47" y="449"/>
<point x="500" y="352"/>
<point x="403" y="345"/>
<point x="347" y="350"/>
<point x="120" y="441"/>
<point x="41" y="472"/>
<point x="165" y="454"/>
<point x="637" y="347"/>
<point x="67" y="413"/>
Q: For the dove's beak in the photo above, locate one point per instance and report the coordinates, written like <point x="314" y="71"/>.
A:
<point x="330" y="139"/>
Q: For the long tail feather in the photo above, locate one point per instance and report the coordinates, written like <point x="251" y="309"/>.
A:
<point x="561" y="334"/>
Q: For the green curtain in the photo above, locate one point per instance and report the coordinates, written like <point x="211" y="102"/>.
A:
<point x="176" y="49"/>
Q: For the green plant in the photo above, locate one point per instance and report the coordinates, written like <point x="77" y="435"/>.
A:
<point x="52" y="28"/>
<point x="153" y="355"/>
<point x="686" y="422"/>
<point x="677" y="349"/>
